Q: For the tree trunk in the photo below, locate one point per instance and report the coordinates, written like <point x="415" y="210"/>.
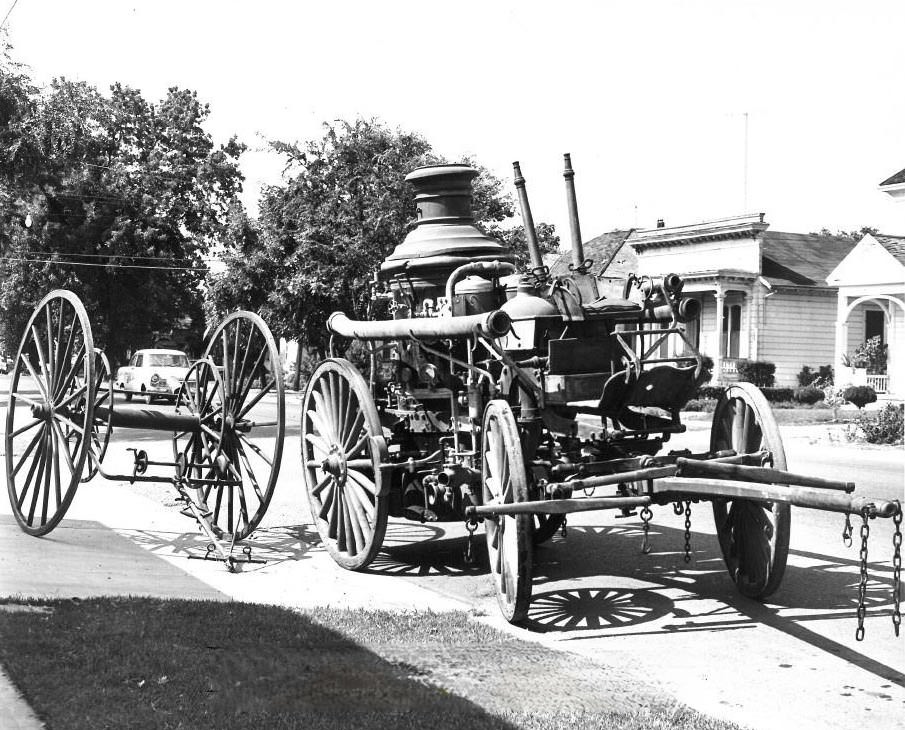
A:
<point x="297" y="376"/>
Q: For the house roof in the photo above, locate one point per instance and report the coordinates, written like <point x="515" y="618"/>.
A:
<point x="801" y="259"/>
<point x="603" y="251"/>
<point x="894" y="244"/>
<point x="896" y="179"/>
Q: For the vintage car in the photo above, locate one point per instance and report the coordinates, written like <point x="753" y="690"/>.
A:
<point x="153" y="374"/>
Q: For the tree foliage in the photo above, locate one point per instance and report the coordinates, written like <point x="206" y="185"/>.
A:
<point x="108" y="184"/>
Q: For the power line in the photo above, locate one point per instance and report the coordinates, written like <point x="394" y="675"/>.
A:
<point x="3" y="22"/>
<point x="115" y="266"/>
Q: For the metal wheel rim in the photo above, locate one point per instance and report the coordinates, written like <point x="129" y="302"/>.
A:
<point x="754" y="538"/>
<point x="342" y="450"/>
<point x="509" y="537"/>
<point x="201" y="394"/>
<point x="61" y="357"/>
<point x="101" y="427"/>
<point x="243" y="349"/>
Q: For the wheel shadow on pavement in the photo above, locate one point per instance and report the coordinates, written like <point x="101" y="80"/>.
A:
<point x="266" y="546"/>
<point x="610" y="556"/>
<point x="423" y="549"/>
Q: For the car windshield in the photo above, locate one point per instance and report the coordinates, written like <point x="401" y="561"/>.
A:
<point x="167" y="360"/>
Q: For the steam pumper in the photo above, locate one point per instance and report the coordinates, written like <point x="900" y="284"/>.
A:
<point x="468" y="407"/>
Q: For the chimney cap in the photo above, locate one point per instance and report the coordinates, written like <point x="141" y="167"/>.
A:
<point x="660" y="223"/>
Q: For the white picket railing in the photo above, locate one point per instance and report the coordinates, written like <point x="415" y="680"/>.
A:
<point x="880" y="383"/>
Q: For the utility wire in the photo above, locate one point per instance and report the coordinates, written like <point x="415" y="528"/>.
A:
<point x="3" y="22"/>
<point x="115" y="266"/>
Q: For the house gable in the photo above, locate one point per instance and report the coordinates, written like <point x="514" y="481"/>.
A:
<point x="871" y="262"/>
<point x="894" y="185"/>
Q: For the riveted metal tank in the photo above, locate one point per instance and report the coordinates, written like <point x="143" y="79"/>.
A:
<point x="445" y="236"/>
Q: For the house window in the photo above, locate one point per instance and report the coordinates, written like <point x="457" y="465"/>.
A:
<point x="732" y="326"/>
<point x="873" y="324"/>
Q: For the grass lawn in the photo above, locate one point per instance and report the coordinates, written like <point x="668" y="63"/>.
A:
<point x="148" y="663"/>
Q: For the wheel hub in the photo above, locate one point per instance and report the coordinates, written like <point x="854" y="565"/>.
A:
<point x="335" y="464"/>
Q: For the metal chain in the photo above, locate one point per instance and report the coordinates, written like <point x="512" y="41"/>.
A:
<point x="562" y="527"/>
<point x="897" y="569"/>
<point x="471" y="525"/>
<point x="862" y="584"/>
<point x="646" y="516"/>
<point x="847" y="531"/>
<point x="688" y="531"/>
<point x="678" y="509"/>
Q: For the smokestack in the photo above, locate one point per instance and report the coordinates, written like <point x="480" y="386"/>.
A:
<point x="577" y="247"/>
<point x="527" y="219"/>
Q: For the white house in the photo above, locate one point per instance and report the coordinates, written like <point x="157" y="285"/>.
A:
<point x="871" y="302"/>
<point x="894" y="186"/>
<point x="764" y="293"/>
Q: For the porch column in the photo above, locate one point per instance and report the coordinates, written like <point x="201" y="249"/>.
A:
<point x="841" y="335"/>
<point x="720" y="335"/>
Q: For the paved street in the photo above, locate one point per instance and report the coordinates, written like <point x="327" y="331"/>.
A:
<point x="793" y="662"/>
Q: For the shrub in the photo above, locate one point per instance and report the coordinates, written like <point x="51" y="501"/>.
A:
<point x="884" y="428"/>
<point x="778" y="395"/>
<point x="811" y="377"/>
<point x="701" y="405"/>
<point x="709" y="392"/>
<point x="759" y="372"/>
<point x="859" y="395"/>
<point x="808" y="394"/>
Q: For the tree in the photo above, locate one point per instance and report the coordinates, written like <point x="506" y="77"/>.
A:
<point x="855" y="235"/>
<point x="125" y="199"/>
<point x="322" y="234"/>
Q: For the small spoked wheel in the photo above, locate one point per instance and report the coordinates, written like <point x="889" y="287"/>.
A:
<point x="103" y="412"/>
<point x="199" y="451"/>
<point x="753" y="536"/>
<point x="545" y="527"/>
<point x="342" y="450"/>
<point x="244" y="353"/>
<point x="50" y="414"/>
<point x="509" y="537"/>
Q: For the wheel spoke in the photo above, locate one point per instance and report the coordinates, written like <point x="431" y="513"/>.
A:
<point x="270" y="385"/>
<point x="362" y="481"/>
<point x="34" y="376"/>
<point x="59" y="433"/>
<point x="250" y="472"/>
<point x="28" y="450"/>
<point x="26" y="427"/>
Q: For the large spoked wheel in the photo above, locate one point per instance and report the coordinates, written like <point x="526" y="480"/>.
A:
<point x="211" y="478"/>
<point x="509" y="537"/>
<point x="753" y="536"/>
<point x="342" y="450"/>
<point x="245" y="354"/>
<point x="103" y="413"/>
<point x="50" y="412"/>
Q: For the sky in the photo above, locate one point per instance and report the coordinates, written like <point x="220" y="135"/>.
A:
<point x="684" y="111"/>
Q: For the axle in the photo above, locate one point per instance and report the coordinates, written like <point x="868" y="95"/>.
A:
<point x="148" y="418"/>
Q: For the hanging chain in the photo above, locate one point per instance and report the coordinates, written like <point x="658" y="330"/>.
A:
<point x="862" y="584"/>
<point x="562" y="527"/>
<point x="646" y="516"/>
<point x="471" y="525"/>
<point x="897" y="568"/>
<point x="678" y="509"/>
<point x="688" y="531"/>
<point x="847" y="531"/>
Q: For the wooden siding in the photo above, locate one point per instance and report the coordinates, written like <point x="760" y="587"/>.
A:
<point x="798" y="329"/>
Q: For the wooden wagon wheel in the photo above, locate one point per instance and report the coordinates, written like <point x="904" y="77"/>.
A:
<point x="245" y="354"/>
<point x="102" y="427"/>
<point x="753" y="537"/>
<point x="200" y="451"/>
<point x="504" y="481"/>
<point x="342" y="451"/>
<point x="46" y="444"/>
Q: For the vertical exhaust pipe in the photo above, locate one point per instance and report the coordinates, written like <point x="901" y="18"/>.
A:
<point x="574" y="227"/>
<point x="527" y="219"/>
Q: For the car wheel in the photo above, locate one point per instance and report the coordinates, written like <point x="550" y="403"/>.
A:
<point x="127" y="393"/>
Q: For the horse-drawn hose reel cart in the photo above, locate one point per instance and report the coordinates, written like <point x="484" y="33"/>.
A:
<point x="60" y="416"/>
<point x="467" y="410"/>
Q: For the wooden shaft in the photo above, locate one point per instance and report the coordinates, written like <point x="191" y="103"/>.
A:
<point x="558" y="506"/>
<point x="527" y="219"/>
<point x="693" y="468"/>
<point x="677" y="488"/>
<point x="148" y="418"/>
<point x="572" y="201"/>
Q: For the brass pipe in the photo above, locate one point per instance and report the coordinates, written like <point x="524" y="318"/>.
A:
<point x="491" y="324"/>
<point x="485" y="268"/>
<point x="572" y="201"/>
<point x="527" y="219"/>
